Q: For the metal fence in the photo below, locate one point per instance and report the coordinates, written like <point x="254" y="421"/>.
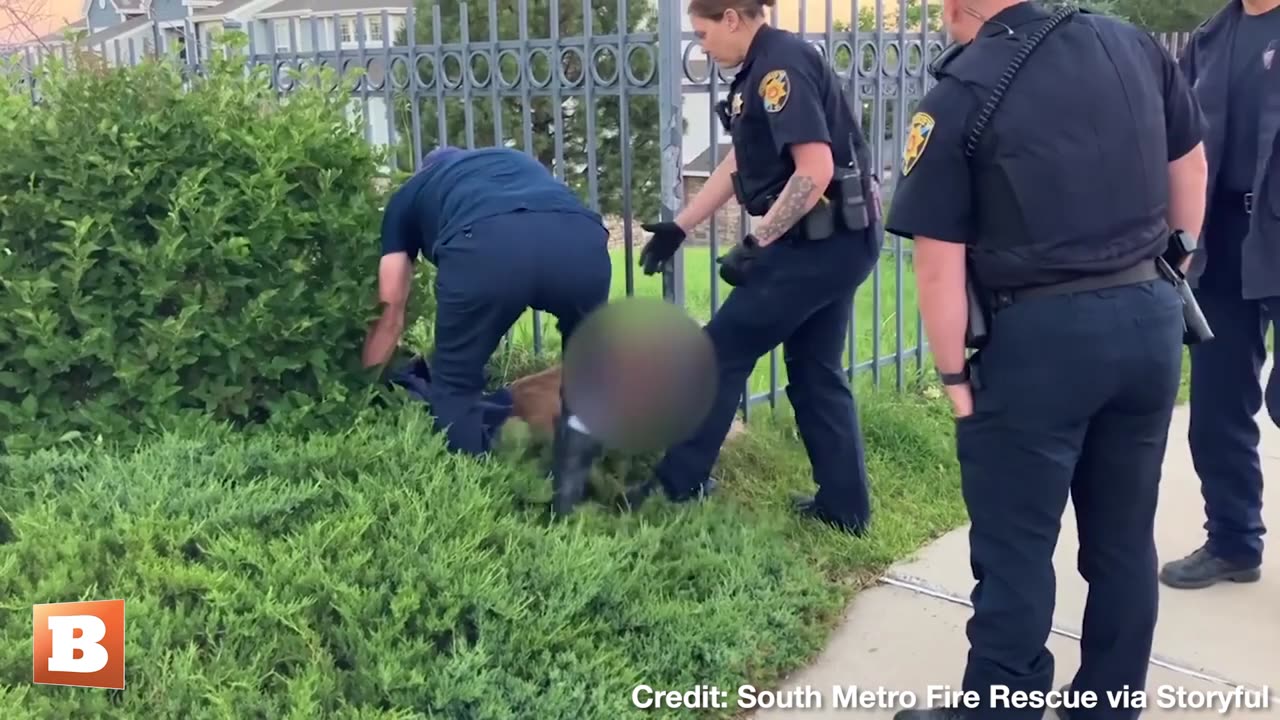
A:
<point x="615" y="97"/>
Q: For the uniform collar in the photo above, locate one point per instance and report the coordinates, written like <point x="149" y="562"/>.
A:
<point x="758" y="43"/>
<point x="1013" y="16"/>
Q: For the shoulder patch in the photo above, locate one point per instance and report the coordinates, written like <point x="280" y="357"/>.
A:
<point x="774" y="89"/>
<point x="918" y="133"/>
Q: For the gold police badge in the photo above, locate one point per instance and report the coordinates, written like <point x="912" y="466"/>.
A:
<point x="736" y="109"/>
<point x="917" y="138"/>
<point x="774" y="89"/>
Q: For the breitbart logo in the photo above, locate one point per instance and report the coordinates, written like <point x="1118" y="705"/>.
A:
<point x="79" y="644"/>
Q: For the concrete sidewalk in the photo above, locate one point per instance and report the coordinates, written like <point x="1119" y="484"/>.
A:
<point x="908" y="633"/>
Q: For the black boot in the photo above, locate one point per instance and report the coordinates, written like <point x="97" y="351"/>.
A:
<point x="1201" y="569"/>
<point x="807" y="506"/>
<point x="573" y="455"/>
<point x="636" y="496"/>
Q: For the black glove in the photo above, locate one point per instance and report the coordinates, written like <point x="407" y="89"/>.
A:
<point x="735" y="266"/>
<point x="667" y="238"/>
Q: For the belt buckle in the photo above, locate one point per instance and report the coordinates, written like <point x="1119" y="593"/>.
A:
<point x="1248" y="203"/>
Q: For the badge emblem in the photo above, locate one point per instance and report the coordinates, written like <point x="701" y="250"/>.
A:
<point x="1267" y="56"/>
<point x="774" y="89"/>
<point x="917" y="138"/>
<point x="736" y="109"/>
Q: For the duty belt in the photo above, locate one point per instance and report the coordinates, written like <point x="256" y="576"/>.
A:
<point x="1142" y="272"/>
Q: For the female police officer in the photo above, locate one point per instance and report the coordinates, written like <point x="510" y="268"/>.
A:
<point x="797" y="160"/>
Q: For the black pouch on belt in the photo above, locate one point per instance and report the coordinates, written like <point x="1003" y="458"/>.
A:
<point x="848" y="191"/>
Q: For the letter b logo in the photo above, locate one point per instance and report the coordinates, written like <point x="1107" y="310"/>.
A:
<point x="79" y="644"/>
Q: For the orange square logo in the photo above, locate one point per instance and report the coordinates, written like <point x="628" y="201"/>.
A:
<point x="79" y="644"/>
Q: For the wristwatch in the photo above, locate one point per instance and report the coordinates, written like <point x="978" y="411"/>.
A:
<point x="957" y="378"/>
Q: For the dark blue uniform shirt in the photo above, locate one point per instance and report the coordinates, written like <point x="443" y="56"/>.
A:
<point x="462" y="188"/>
<point x="1252" y="53"/>
<point x="784" y="94"/>
<point x="1242" y="123"/>
<point x="1071" y="175"/>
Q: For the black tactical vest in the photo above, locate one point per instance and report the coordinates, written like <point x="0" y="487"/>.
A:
<point x="1070" y="176"/>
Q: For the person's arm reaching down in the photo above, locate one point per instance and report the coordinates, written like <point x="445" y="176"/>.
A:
<point x="932" y="204"/>
<point x="1188" y="182"/>
<point x="669" y="236"/>
<point x="940" y="284"/>
<point x="395" y="276"/>
<point x="400" y="246"/>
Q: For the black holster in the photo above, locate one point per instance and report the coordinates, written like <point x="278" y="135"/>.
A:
<point x="1195" y="327"/>
<point x="977" y="330"/>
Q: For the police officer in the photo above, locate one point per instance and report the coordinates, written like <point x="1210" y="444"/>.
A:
<point x="1231" y="62"/>
<point x="505" y="235"/>
<point x="1056" y="212"/>
<point x="799" y="163"/>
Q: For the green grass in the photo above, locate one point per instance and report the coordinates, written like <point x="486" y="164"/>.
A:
<point x="372" y="575"/>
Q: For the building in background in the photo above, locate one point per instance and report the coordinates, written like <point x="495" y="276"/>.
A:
<point x="124" y="31"/>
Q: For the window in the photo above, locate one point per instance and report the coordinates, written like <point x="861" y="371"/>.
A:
<point x="280" y="32"/>
<point x="348" y="30"/>
<point x="375" y="29"/>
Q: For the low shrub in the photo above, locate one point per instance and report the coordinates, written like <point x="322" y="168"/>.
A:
<point x="177" y="247"/>
<point x="369" y="574"/>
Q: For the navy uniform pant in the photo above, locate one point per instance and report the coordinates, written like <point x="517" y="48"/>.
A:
<point x="487" y="276"/>
<point x="1075" y="398"/>
<point x="1226" y="394"/>
<point x="799" y="294"/>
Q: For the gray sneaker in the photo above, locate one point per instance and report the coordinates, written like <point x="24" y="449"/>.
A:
<point x="1200" y="569"/>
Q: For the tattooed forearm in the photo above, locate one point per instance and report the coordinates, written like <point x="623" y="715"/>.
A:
<point x="792" y="204"/>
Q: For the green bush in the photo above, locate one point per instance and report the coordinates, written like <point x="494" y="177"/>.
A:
<point x="369" y="574"/>
<point x="374" y="575"/>
<point x="170" y="249"/>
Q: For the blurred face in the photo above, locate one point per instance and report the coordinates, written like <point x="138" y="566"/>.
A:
<point x="960" y="24"/>
<point x="723" y="39"/>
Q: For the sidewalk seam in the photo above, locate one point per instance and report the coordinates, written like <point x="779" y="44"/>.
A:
<point x="920" y="586"/>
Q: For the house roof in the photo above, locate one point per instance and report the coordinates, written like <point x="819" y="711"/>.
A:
<point x="329" y="7"/>
<point x="217" y="12"/>
<point x="301" y="7"/>
<point x="128" y="6"/>
<point x="702" y="163"/>
<point x="117" y="31"/>
<point x="59" y="35"/>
